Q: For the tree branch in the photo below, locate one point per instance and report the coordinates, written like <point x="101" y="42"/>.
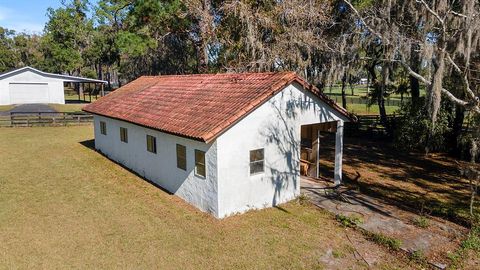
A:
<point x="458" y="14"/>
<point x="364" y="23"/>
<point x="432" y="12"/>
<point x="448" y="94"/>
<point x="464" y="77"/>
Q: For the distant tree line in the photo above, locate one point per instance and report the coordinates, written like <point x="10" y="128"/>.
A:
<point x="401" y="46"/>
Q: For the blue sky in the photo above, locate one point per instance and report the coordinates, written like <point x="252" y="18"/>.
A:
<point x="25" y="15"/>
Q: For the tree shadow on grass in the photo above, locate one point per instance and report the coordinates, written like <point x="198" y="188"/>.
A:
<point x="409" y="181"/>
<point x="90" y="144"/>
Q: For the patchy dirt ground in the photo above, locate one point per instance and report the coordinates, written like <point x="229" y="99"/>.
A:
<point x="431" y="243"/>
<point x="429" y="186"/>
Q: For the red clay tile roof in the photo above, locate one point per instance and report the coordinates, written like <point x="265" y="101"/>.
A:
<point x="200" y="106"/>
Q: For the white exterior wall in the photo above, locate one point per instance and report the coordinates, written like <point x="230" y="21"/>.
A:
<point x="161" y="168"/>
<point x="274" y="126"/>
<point x="55" y="86"/>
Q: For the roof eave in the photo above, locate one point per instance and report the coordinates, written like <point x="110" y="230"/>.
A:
<point x="149" y="127"/>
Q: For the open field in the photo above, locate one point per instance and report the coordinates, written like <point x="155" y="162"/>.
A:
<point x="63" y="205"/>
<point x="73" y="107"/>
<point x="361" y="91"/>
<point x="4" y="108"/>
<point x="362" y="109"/>
<point x="74" y="98"/>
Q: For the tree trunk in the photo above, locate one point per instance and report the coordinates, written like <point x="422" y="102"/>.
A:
<point x="100" y="72"/>
<point x="201" y="45"/>
<point x="379" y="88"/>
<point x="457" y="127"/>
<point x="344" y="84"/>
<point x="381" y="95"/>
<point x="415" y="65"/>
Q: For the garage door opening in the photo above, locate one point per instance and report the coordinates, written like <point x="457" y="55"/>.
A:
<point x="25" y="93"/>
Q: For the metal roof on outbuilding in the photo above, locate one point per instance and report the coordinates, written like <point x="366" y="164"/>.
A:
<point x="65" y="78"/>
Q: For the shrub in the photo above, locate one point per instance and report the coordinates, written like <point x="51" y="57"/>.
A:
<point x="389" y="242"/>
<point x="421" y="222"/>
<point x="351" y="222"/>
<point x="413" y="132"/>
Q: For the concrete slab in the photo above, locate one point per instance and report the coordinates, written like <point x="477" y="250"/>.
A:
<point x="435" y="241"/>
<point x="29" y="108"/>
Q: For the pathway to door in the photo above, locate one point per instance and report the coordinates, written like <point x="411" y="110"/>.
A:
<point x="433" y="242"/>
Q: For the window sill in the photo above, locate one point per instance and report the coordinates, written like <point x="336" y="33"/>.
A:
<point x="200" y="176"/>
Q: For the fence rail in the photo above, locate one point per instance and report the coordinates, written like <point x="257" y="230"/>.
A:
<point x="366" y="101"/>
<point x="371" y="124"/>
<point x="29" y="119"/>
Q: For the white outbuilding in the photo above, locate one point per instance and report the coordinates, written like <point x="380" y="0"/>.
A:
<point x="226" y="143"/>
<point x="29" y="85"/>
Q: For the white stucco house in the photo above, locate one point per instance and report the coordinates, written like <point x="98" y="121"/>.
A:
<point x="225" y="143"/>
<point x="28" y="85"/>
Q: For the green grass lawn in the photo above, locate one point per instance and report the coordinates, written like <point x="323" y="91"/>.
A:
<point x="76" y="107"/>
<point x="69" y="97"/>
<point x="63" y="205"/>
<point x="4" y="108"/>
<point x="361" y="91"/>
<point x="363" y="109"/>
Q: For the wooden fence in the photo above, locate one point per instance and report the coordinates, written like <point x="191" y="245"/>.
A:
<point x="29" y="119"/>
<point x="366" y="101"/>
<point x="371" y="124"/>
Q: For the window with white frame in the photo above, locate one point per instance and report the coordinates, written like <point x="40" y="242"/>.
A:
<point x="200" y="167"/>
<point x="151" y="144"/>
<point x="103" y="128"/>
<point x="257" y="161"/>
<point x="123" y="135"/>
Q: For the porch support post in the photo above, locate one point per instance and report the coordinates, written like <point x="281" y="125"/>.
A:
<point x="338" y="153"/>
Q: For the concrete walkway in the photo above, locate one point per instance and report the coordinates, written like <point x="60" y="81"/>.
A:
<point x="433" y="242"/>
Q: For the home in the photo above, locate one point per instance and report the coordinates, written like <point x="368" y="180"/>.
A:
<point x="225" y="143"/>
<point x="28" y="85"/>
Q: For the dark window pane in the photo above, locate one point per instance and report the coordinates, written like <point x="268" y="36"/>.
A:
<point x="151" y="144"/>
<point x="123" y="135"/>
<point x="256" y="167"/>
<point x="103" y="128"/>
<point x="200" y="170"/>
<point x="200" y="163"/>
<point x="181" y="157"/>
<point x="256" y="155"/>
<point x="256" y="161"/>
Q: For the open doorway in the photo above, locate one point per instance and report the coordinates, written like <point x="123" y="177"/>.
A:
<point x="318" y="144"/>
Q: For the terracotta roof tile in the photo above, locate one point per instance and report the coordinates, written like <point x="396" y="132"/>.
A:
<point x="198" y="106"/>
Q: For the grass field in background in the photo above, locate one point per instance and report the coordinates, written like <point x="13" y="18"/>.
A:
<point x="361" y="91"/>
<point x="362" y="109"/>
<point x="4" y="108"/>
<point x="68" y="107"/>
